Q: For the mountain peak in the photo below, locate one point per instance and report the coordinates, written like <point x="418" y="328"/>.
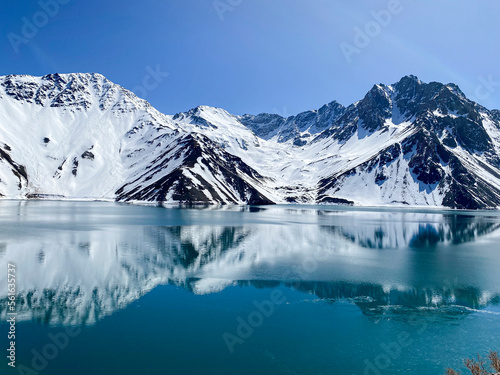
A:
<point x="378" y="89"/>
<point x="455" y="89"/>
<point x="408" y="83"/>
<point x="410" y="77"/>
<point x="79" y="135"/>
<point x="206" y="111"/>
<point x="332" y="106"/>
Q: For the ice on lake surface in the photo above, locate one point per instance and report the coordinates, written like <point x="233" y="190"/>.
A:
<point x="250" y="290"/>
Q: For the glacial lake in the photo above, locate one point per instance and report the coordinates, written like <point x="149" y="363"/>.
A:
<point x="108" y="288"/>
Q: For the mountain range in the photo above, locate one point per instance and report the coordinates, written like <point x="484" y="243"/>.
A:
<point x="80" y="136"/>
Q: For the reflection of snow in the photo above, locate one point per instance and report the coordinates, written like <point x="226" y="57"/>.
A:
<point x="210" y="285"/>
<point x="83" y="274"/>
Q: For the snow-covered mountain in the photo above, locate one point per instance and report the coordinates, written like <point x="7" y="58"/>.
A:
<point x="80" y="136"/>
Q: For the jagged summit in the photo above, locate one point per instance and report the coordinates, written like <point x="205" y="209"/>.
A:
<point x="408" y="143"/>
<point x="78" y="91"/>
<point x="408" y="81"/>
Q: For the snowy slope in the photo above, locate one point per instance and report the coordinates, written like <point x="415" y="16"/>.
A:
<point x="79" y="136"/>
<point x="68" y="131"/>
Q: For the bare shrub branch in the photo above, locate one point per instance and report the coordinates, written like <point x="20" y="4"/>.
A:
<point x="478" y="366"/>
<point x="495" y="361"/>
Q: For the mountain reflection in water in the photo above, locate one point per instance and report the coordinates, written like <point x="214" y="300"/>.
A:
<point x="81" y="268"/>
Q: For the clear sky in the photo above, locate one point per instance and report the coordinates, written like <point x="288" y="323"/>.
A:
<point x="252" y="56"/>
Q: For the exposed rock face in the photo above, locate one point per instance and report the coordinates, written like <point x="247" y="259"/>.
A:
<point x="410" y="143"/>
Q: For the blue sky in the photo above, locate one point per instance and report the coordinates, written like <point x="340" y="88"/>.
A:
<point x="252" y="56"/>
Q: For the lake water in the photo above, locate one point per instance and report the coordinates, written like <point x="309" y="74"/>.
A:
<point x="107" y="288"/>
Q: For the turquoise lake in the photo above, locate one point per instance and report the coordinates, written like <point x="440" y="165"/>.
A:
<point x="108" y="288"/>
